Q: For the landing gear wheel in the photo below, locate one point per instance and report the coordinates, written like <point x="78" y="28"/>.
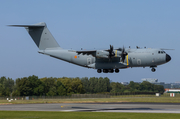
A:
<point x="153" y="69"/>
<point x="117" y="70"/>
<point x="105" y="70"/>
<point x="111" y="70"/>
<point x="99" y="70"/>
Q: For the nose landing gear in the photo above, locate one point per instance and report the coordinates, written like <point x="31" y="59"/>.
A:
<point x="153" y="69"/>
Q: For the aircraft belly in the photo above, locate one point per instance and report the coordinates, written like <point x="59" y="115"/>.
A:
<point x="106" y="65"/>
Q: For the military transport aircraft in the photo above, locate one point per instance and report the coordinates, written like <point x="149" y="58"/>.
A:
<point x="106" y="61"/>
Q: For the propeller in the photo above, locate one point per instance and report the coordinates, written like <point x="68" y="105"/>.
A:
<point x="111" y="52"/>
<point x="123" y="54"/>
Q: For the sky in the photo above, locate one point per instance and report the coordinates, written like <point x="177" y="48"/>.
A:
<point x="89" y="24"/>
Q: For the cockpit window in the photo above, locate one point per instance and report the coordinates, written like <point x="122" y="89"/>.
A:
<point x="161" y="52"/>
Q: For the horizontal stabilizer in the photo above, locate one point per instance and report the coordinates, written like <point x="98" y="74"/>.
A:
<point x="42" y="24"/>
<point x="27" y="26"/>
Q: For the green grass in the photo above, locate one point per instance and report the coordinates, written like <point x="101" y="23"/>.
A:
<point x="83" y="115"/>
<point x="123" y="98"/>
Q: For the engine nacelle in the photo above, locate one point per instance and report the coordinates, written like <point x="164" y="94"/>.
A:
<point x="102" y="54"/>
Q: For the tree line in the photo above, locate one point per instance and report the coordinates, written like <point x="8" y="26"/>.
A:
<point x="34" y="86"/>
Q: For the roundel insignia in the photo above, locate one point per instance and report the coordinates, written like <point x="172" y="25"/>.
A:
<point x="75" y="56"/>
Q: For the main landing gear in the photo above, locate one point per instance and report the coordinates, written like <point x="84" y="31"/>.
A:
<point x="108" y="70"/>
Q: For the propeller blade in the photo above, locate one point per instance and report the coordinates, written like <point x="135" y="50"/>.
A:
<point x="123" y="54"/>
<point x="111" y="52"/>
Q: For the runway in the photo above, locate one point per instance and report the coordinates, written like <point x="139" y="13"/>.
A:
<point x="97" y="107"/>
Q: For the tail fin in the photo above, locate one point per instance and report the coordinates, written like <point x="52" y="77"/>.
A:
<point x="41" y="35"/>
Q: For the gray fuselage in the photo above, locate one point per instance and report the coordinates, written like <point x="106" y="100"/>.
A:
<point x="135" y="58"/>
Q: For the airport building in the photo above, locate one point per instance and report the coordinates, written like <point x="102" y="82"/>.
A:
<point x="172" y="90"/>
<point x="151" y="80"/>
<point x="175" y="85"/>
<point x="125" y="83"/>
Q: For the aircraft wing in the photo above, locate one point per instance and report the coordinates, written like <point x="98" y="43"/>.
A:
<point x="100" y="54"/>
<point x="87" y="52"/>
<point x="166" y="49"/>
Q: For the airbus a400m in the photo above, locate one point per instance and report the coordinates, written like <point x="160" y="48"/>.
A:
<point x="107" y="61"/>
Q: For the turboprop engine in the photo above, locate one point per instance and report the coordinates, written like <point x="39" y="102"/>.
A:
<point x="102" y="54"/>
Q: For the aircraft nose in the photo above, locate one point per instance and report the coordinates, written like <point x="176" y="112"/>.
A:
<point x="168" y="58"/>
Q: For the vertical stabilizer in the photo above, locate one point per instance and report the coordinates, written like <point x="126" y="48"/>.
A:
<point x="41" y="35"/>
